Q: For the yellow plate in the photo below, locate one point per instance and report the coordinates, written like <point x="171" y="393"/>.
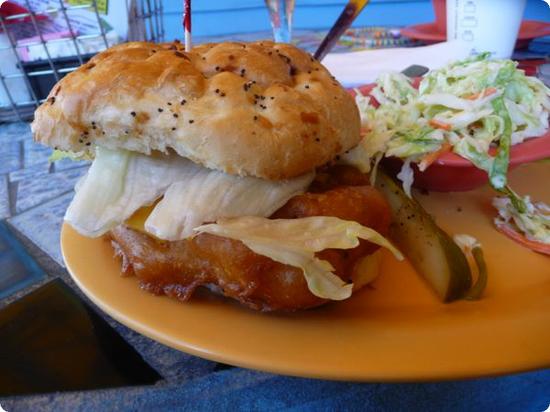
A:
<point x="395" y="331"/>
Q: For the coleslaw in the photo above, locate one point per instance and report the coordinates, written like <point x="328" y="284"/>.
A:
<point x="466" y="107"/>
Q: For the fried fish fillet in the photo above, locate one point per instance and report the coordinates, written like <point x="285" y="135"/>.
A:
<point x="177" y="268"/>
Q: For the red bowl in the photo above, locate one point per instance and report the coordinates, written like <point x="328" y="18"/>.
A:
<point x="453" y="173"/>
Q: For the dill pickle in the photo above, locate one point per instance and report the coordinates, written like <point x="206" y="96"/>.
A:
<point x="431" y="251"/>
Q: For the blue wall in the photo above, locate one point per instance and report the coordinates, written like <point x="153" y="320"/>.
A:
<point x="211" y="17"/>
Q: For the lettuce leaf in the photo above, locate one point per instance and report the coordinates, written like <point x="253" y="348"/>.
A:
<point x="499" y="169"/>
<point x="528" y="217"/>
<point x="207" y="195"/>
<point x="120" y="182"/>
<point x="117" y="184"/>
<point x="295" y="241"/>
<point x="75" y="156"/>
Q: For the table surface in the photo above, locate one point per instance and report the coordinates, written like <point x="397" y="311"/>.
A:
<point x="33" y="197"/>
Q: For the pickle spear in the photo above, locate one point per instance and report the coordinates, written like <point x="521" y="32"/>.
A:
<point x="431" y="251"/>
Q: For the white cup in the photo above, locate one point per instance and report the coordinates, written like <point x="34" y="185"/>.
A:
<point x="485" y="25"/>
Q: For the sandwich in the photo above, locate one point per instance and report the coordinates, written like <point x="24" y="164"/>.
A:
<point x="219" y="168"/>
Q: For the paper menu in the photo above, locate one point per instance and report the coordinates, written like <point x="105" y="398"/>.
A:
<point x="113" y="17"/>
<point x="114" y="14"/>
<point x="55" y="30"/>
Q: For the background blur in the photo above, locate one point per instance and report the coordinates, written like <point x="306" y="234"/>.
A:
<point x="43" y="40"/>
<point x="213" y="18"/>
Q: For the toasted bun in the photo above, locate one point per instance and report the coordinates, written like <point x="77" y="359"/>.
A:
<point x="261" y="109"/>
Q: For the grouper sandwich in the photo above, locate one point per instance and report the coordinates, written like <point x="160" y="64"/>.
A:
<point x="216" y="168"/>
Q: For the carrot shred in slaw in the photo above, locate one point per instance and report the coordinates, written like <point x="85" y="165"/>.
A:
<point x="517" y="237"/>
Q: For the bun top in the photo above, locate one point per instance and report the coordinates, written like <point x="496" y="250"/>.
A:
<point x="261" y="109"/>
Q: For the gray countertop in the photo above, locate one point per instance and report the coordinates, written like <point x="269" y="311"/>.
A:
<point x="33" y="192"/>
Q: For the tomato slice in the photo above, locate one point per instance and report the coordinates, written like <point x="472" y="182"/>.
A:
<point x="513" y="234"/>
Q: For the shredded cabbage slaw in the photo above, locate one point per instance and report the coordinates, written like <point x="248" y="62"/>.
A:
<point x="466" y="107"/>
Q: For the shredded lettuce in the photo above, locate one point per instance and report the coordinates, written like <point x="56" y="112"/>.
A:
<point x="499" y="167"/>
<point x="295" y="241"/>
<point x="75" y="156"/>
<point x="531" y="218"/>
<point x="466" y="242"/>
<point x="473" y="251"/>
<point x="406" y="175"/>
